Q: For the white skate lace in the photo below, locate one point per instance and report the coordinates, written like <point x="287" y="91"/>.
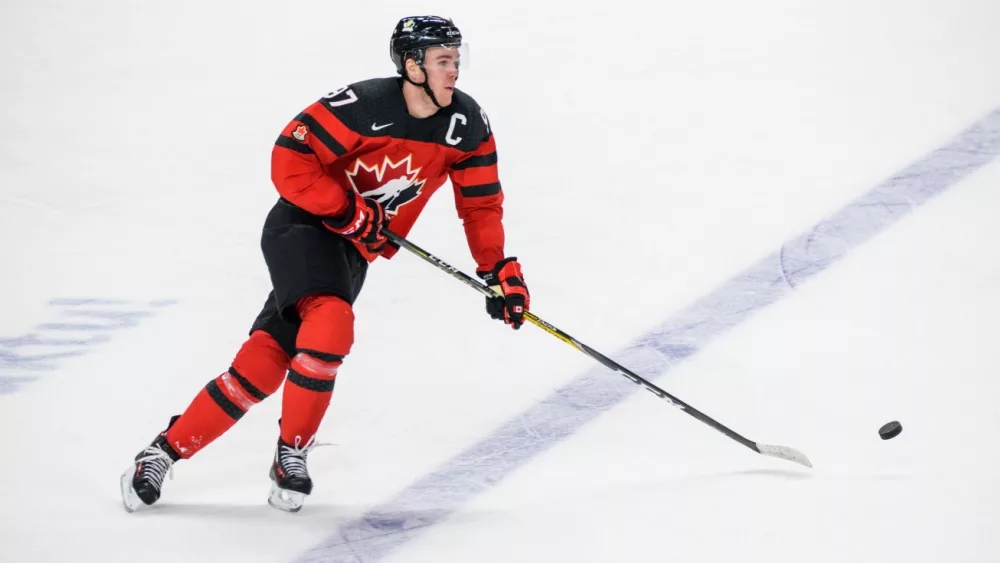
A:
<point x="155" y="465"/>
<point x="293" y="458"/>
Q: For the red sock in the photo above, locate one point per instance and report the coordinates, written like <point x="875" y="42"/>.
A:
<point x="324" y="339"/>
<point x="256" y="372"/>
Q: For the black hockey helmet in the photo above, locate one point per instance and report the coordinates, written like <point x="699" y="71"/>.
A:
<point x="414" y="34"/>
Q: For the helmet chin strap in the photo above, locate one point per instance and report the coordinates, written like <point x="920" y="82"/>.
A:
<point x="423" y="85"/>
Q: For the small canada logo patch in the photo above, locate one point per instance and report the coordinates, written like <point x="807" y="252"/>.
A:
<point x="300" y="133"/>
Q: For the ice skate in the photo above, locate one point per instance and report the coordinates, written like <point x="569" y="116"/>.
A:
<point x="142" y="481"/>
<point x="290" y="482"/>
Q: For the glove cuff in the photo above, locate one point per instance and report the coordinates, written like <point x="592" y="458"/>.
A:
<point x="491" y="277"/>
<point x="340" y="222"/>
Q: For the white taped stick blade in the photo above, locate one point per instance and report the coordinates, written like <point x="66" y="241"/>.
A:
<point x="782" y="452"/>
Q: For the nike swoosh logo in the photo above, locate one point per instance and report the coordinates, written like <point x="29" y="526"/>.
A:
<point x="378" y="127"/>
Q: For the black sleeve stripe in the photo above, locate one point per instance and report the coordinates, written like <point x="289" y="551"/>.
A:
<point x="290" y="143"/>
<point x="481" y="190"/>
<point x="483" y="160"/>
<point x="322" y="134"/>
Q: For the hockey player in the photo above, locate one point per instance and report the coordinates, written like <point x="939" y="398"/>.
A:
<point x="362" y="158"/>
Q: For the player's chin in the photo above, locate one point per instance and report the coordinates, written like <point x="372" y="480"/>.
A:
<point x="446" y="94"/>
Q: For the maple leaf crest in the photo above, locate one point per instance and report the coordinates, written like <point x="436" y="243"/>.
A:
<point x="393" y="184"/>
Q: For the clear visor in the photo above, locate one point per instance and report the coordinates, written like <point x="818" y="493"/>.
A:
<point x="447" y="58"/>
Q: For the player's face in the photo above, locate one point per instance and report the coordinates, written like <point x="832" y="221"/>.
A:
<point x="441" y="64"/>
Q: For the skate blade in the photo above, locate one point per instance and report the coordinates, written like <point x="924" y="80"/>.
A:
<point x="283" y="499"/>
<point x="130" y="499"/>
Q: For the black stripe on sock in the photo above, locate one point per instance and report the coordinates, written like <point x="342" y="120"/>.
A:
<point x="247" y="386"/>
<point x="311" y="383"/>
<point x="320" y="355"/>
<point x="220" y="398"/>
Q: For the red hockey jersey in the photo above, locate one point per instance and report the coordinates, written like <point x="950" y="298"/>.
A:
<point x="361" y="137"/>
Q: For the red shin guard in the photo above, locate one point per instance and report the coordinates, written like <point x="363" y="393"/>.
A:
<point x="324" y="339"/>
<point x="256" y="372"/>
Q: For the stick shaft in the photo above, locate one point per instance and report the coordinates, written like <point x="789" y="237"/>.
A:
<point x="561" y="335"/>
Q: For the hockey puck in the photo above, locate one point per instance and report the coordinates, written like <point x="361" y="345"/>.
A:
<point x="890" y="430"/>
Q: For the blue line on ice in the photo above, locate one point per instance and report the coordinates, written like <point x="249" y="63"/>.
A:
<point x="480" y="467"/>
<point x="92" y="321"/>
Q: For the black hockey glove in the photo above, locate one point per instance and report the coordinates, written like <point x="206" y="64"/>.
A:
<point x="506" y="278"/>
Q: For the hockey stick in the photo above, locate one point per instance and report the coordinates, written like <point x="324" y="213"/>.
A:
<point x="782" y="452"/>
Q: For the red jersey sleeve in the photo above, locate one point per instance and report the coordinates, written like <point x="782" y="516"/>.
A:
<point x="309" y="143"/>
<point x="479" y="201"/>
